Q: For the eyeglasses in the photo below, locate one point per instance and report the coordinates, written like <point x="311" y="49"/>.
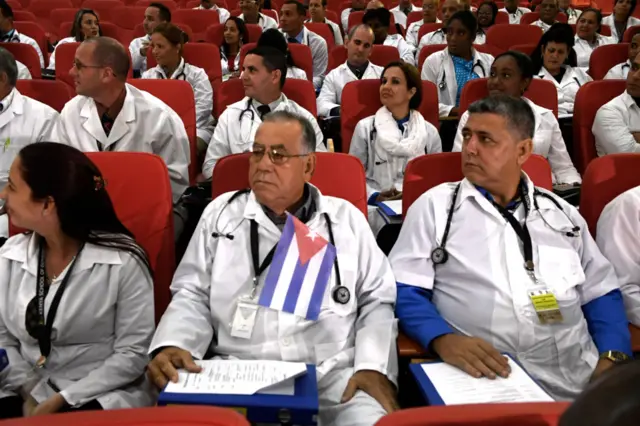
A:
<point x="278" y="156"/>
<point x="79" y="65"/>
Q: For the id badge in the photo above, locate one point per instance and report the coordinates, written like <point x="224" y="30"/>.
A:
<point x="546" y="306"/>
<point x="244" y="320"/>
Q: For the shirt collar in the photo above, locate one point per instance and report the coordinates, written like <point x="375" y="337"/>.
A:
<point x="303" y="213"/>
<point x="273" y="105"/>
<point x="6" y="102"/>
<point x="177" y="71"/>
<point x="469" y="190"/>
<point x="300" y="37"/>
<point x="628" y="100"/>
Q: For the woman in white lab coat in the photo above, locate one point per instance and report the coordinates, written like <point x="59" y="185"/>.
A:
<point x="274" y="38"/>
<point x="167" y="42"/>
<point x="588" y="36"/>
<point x="511" y="74"/>
<point x="235" y="36"/>
<point x="487" y="14"/>
<point x="76" y="293"/>
<point x="621" y="18"/>
<point x="397" y="133"/>
<point x="85" y="25"/>
<point x="458" y="62"/>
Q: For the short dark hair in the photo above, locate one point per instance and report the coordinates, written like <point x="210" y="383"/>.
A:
<point x="382" y="15"/>
<point x="76" y="28"/>
<point x="163" y="11"/>
<point x="634" y="3"/>
<point x="558" y="33"/>
<point x="467" y="19"/>
<point x="516" y="112"/>
<point x="300" y="8"/>
<point x="8" y="66"/>
<point x="273" y="59"/>
<point x="308" y="133"/>
<point x="110" y="53"/>
<point x="412" y="75"/>
<point x="172" y="33"/>
<point x="6" y="10"/>
<point x="525" y="65"/>
<point x="274" y="38"/>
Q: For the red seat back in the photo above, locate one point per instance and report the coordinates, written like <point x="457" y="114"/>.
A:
<point x="540" y="92"/>
<point x="178" y="95"/>
<point x="428" y="28"/>
<point x="324" y="31"/>
<point x="506" y="35"/>
<point x="630" y="32"/>
<point x="139" y="30"/>
<point x="60" y="16"/>
<point x="172" y="5"/>
<point x="361" y="98"/>
<point x="605" y="57"/>
<point x="606" y="178"/>
<point x="232" y="173"/>
<point x="355" y="18"/>
<point x="502" y="18"/>
<point x="524" y="48"/>
<point x="26" y="54"/>
<point x="202" y="55"/>
<point x="529" y="18"/>
<point x="104" y="8"/>
<point x="414" y="16"/>
<point x="300" y="53"/>
<point x="589" y="99"/>
<point x="129" y="17"/>
<point x="380" y="55"/>
<point x="198" y="20"/>
<point x="24" y="15"/>
<point x="50" y="92"/>
<point x="425" y="172"/>
<point x="36" y="32"/>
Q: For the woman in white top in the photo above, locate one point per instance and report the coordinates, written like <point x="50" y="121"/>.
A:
<point x="587" y="36"/>
<point x="511" y="74"/>
<point x="251" y="15"/>
<point x="274" y="38"/>
<point x="397" y="133"/>
<point x="85" y="25"/>
<point x="487" y="14"/>
<point x="235" y="36"/>
<point x="167" y="42"/>
<point x="76" y="294"/>
<point x="555" y="60"/>
<point x="621" y="18"/>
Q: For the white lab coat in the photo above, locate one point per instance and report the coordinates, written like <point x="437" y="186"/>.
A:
<point x="52" y="58"/>
<point x="238" y="124"/>
<point x="223" y="14"/>
<point x="514" y="18"/>
<point x="224" y="64"/>
<point x="101" y="331"/>
<point x="481" y="37"/>
<point x="614" y="124"/>
<point x="438" y="69"/>
<point x="296" y="73"/>
<point x="331" y="93"/>
<point x="203" y="92"/>
<point x="344" y="19"/>
<point x="335" y="29"/>
<point x="412" y="32"/>
<point x="584" y="49"/>
<point x="545" y="27"/>
<point x="145" y="124"/>
<point x="619" y="72"/>
<point x="572" y="15"/>
<point x="319" y="54"/>
<point x="611" y="22"/>
<point x="266" y="22"/>
<point x="23" y="71"/>
<point x="21" y="38"/>
<point x="547" y="142"/>
<point x="618" y="237"/>
<point x="572" y="80"/>
<point x="364" y="137"/>
<point x="399" y="15"/>
<point x="138" y="62"/>
<point x="346" y="338"/>
<point x="407" y="53"/>
<point x="561" y="357"/>
<point x="434" y="37"/>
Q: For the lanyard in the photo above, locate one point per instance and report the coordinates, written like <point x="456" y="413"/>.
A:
<point x="44" y="329"/>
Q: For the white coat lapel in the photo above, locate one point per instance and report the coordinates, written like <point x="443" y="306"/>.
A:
<point x="121" y="125"/>
<point x="91" y="122"/>
<point x="15" y="108"/>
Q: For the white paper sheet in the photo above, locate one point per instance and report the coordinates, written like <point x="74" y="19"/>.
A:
<point x="395" y="205"/>
<point x="237" y="377"/>
<point x="457" y="387"/>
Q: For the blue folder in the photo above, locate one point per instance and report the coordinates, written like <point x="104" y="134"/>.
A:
<point x="388" y="211"/>
<point x="299" y="409"/>
<point x="4" y="359"/>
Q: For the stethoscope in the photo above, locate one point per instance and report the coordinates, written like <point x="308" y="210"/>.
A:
<point x="248" y="109"/>
<point x="340" y="294"/>
<point x="439" y="255"/>
<point x="11" y="37"/>
<point x="161" y="76"/>
<point x="542" y="76"/>
<point x="443" y="81"/>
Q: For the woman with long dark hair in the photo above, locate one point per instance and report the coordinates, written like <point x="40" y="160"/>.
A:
<point x="85" y="25"/>
<point x="76" y="293"/>
<point x="235" y="36"/>
<point x="621" y="18"/>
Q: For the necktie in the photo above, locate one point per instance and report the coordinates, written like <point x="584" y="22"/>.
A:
<point x="263" y="110"/>
<point x="292" y="40"/>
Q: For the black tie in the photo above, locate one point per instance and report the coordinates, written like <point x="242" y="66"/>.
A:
<point x="292" y="40"/>
<point x="263" y="110"/>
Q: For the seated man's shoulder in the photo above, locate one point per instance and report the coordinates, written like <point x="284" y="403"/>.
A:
<point x="440" y="194"/>
<point x="233" y="111"/>
<point x="232" y="202"/>
<point x="629" y="199"/>
<point x="37" y="108"/>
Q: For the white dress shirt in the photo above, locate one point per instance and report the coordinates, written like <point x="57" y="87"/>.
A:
<point x="618" y="237"/>
<point x="514" y="18"/>
<point x="434" y="37"/>
<point x="414" y="30"/>
<point x="202" y="90"/>
<point x="266" y="22"/>
<point x="547" y="142"/>
<point x="335" y="30"/>
<point x="407" y="53"/>
<point x="138" y="62"/>
<point x="238" y="124"/>
<point x="611" y="22"/>
<point x="101" y="331"/>
<point x="614" y="124"/>
<point x="319" y="54"/>
<point x="400" y="16"/>
<point x="539" y="23"/>
<point x="483" y="288"/>
<point x="358" y="335"/>
<point x="572" y="80"/>
<point x="584" y="49"/>
<point x="619" y="72"/>
<point x="145" y="124"/>
<point x="331" y="93"/>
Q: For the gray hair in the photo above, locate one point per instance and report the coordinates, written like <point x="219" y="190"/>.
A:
<point x="516" y="112"/>
<point x="110" y="53"/>
<point x="355" y="28"/>
<point x="8" y="66"/>
<point x="308" y="133"/>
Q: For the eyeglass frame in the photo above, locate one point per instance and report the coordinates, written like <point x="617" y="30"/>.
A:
<point x="271" y="152"/>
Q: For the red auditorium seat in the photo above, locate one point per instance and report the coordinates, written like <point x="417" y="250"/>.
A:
<point x="522" y="414"/>
<point x="502" y="18"/>
<point x="271" y="13"/>
<point x="630" y="32"/>
<point x="540" y="92"/>
<point x="42" y="9"/>
<point x="108" y="30"/>
<point x="104" y="8"/>
<point x="203" y="55"/>
<point x="161" y="416"/>
<point x="300" y="53"/>
<point x="428" y="28"/>
<point x="26" y="54"/>
<point x="361" y="98"/>
<point x="36" y="32"/>
<point x="50" y="92"/>
<point x="606" y="57"/>
<point x="524" y="48"/>
<point x="178" y="95"/>
<point x="15" y="5"/>
<point x="504" y="36"/>
<point x="380" y="55"/>
<point x="172" y="5"/>
<point x="215" y="33"/>
<point x="59" y="17"/>
<point x="139" y="30"/>
<point x="589" y="99"/>
<point x="529" y="18"/>
<point x="129" y="18"/>
<point x="427" y="171"/>
<point x="414" y="16"/>
<point x="324" y="31"/>
<point x="430" y="49"/>
<point x="198" y="20"/>
<point x="232" y="173"/>
<point x="24" y="15"/>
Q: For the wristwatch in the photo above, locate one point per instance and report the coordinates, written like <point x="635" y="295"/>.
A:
<point x="615" y="356"/>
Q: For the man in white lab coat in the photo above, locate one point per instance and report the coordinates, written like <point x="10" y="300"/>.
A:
<point x="357" y="67"/>
<point x="8" y="33"/>
<point x="402" y="11"/>
<point x="379" y="20"/>
<point x="448" y="8"/>
<point x="429" y="16"/>
<point x="223" y="14"/>
<point x="263" y="75"/>
<point x="251" y="15"/>
<point x="617" y="124"/>
<point x="317" y="11"/>
<point x="514" y="10"/>
<point x="155" y="14"/>
<point x="541" y="290"/>
<point x="110" y="115"/>
<point x="621" y="71"/>
<point x="356" y="6"/>
<point x="548" y="10"/>
<point x="352" y="343"/>
<point x="292" y="16"/>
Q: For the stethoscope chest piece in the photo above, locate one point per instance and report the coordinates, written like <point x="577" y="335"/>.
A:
<point x="341" y="295"/>
<point x="439" y="256"/>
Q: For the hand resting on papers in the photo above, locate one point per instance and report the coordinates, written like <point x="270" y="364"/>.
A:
<point x="164" y="366"/>
<point x="376" y="385"/>
<point x="471" y="355"/>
